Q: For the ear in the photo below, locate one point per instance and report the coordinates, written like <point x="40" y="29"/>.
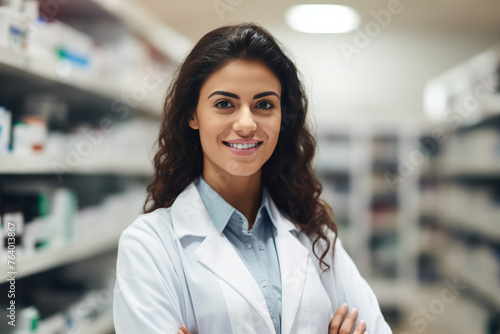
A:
<point x="193" y="122"/>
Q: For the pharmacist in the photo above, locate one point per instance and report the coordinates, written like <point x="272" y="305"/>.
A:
<point x="228" y="242"/>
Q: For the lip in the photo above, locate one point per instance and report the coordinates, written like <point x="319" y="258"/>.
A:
<point x="243" y="141"/>
<point x="247" y="151"/>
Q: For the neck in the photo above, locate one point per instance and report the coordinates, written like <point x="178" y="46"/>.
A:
<point x="241" y="192"/>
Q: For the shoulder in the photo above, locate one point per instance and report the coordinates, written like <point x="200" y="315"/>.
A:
<point x="334" y="245"/>
<point x="155" y="226"/>
<point x="321" y="244"/>
<point x="147" y="257"/>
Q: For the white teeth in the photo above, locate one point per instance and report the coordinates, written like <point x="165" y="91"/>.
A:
<point x="242" y="146"/>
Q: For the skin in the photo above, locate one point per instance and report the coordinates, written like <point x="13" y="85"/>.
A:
<point x="237" y="178"/>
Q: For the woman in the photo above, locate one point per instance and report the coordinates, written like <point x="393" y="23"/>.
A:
<point x="235" y="237"/>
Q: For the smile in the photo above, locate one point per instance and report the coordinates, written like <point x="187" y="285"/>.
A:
<point x="242" y="146"/>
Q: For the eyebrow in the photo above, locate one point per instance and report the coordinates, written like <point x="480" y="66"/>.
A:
<point x="219" y="92"/>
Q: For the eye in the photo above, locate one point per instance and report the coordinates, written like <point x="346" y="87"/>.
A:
<point x="223" y="104"/>
<point x="265" y="105"/>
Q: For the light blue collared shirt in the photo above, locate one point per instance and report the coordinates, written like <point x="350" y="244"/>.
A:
<point x="256" y="246"/>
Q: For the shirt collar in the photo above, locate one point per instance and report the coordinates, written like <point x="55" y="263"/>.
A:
<point x="219" y="210"/>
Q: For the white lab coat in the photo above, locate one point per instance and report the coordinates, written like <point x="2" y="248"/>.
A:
<point x="174" y="268"/>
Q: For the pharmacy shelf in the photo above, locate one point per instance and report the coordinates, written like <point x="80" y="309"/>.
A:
<point x="44" y="164"/>
<point x="472" y="316"/>
<point x="464" y="78"/>
<point x="488" y="234"/>
<point x="491" y="106"/>
<point x="54" y="257"/>
<point x="164" y="38"/>
<point x="22" y="64"/>
<point x="490" y="294"/>
<point x="489" y="113"/>
<point x="392" y="293"/>
<point x="490" y="172"/>
<point x="102" y="325"/>
<point x="463" y="157"/>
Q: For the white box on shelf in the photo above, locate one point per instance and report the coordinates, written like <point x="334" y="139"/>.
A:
<point x="5" y="14"/>
<point x="5" y="128"/>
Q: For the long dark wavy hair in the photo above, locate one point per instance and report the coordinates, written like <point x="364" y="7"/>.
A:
<point x="287" y="174"/>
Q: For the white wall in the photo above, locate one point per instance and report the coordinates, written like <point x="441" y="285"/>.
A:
<point x="387" y="77"/>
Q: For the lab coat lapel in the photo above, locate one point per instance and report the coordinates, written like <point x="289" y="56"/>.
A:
<point x="293" y="259"/>
<point x="216" y="252"/>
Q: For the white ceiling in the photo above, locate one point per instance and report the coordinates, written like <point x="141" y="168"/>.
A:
<point x="194" y="18"/>
<point x="387" y="77"/>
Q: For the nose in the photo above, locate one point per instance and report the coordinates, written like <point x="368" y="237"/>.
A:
<point x="244" y="123"/>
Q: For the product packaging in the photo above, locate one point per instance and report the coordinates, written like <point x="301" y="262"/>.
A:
<point x="5" y="125"/>
<point x="27" y="320"/>
<point x="62" y="217"/>
<point x="29" y="135"/>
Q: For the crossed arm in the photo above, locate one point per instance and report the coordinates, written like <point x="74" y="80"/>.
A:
<point x="340" y="323"/>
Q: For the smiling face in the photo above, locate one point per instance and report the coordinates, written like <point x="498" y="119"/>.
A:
<point x="238" y="116"/>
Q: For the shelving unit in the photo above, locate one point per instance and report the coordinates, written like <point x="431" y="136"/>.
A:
<point x="43" y="164"/>
<point x="460" y="185"/>
<point x="103" y="324"/>
<point x="363" y="181"/>
<point x="22" y="65"/>
<point x="55" y="257"/>
<point x="87" y="98"/>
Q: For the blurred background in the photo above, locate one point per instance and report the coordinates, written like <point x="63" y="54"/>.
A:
<point x="404" y="101"/>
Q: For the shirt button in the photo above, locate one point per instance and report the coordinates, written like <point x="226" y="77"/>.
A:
<point x="263" y="283"/>
<point x="261" y="246"/>
<point x="249" y="245"/>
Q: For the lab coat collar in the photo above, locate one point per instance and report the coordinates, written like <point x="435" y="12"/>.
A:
<point x="190" y="218"/>
<point x="221" y="211"/>
<point x="193" y="218"/>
